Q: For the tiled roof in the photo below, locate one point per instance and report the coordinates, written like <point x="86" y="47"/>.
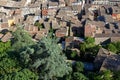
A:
<point x="31" y="28"/>
<point x="46" y="25"/>
<point x="3" y="2"/>
<point x="69" y="39"/>
<point x="112" y="62"/>
<point x="61" y="32"/>
<point x="11" y="3"/>
<point x="107" y="35"/>
<point x="55" y="24"/>
<point x="4" y="25"/>
<point x="41" y="34"/>
<point x="53" y="3"/>
<point x="6" y="37"/>
<point x="1" y="35"/>
<point x="101" y="56"/>
<point x="44" y="12"/>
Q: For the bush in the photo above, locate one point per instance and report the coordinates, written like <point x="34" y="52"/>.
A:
<point x="112" y="48"/>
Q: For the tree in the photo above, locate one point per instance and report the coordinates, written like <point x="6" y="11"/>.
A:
<point x="79" y="76"/>
<point x="67" y="77"/>
<point x="117" y="45"/>
<point x="91" y="75"/>
<point x="112" y="48"/>
<point x="24" y="74"/>
<point x="82" y="47"/>
<point x="116" y="75"/>
<point x="94" y="50"/>
<point x="79" y="67"/>
<point x="104" y="75"/>
<point x="73" y="54"/>
<point x="107" y="75"/>
<point x="8" y="65"/>
<point x="48" y="59"/>
<point x="25" y="56"/>
<point x="10" y="68"/>
<point x="4" y="47"/>
<point x="89" y="40"/>
<point x="21" y="39"/>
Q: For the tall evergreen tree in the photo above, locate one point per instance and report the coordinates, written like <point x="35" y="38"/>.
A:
<point x="47" y="59"/>
<point x="21" y="39"/>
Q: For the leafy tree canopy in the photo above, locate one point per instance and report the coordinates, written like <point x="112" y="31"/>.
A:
<point x="82" y="47"/>
<point x="79" y="76"/>
<point x="116" y="75"/>
<point x="104" y="75"/>
<point x="21" y="39"/>
<point x="8" y="65"/>
<point x="4" y="47"/>
<point x="47" y="57"/>
<point x="79" y="66"/>
<point x="73" y="54"/>
<point x="89" y="40"/>
<point x="112" y="48"/>
<point x="24" y="74"/>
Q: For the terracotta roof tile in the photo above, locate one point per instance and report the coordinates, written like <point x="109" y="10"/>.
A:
<point x="6" y="37"/>
<point x="61" y="33"/>
<point x="4" y="25"/>
<point x="44" y="12"/>
<point x="69" y="39"/>
<point x="1" y="35"/>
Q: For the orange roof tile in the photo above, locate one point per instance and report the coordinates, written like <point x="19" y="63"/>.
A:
<point x="44" y="12"/>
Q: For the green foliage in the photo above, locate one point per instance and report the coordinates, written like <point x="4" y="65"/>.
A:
<point x="47" y="58"/>
<point x="38" y="25"/>
<point x="116" y="48"/>
<point x="4" y="47"/>
<point x="51" y="32"/>
<point x="52" y="57"/>
<point x="89" y="40"/>
<point x="73" y="54"/>
<point x="21" y="39"/>
<point x="116" y="75"/>
<point x="82" y="47"/>
<point x="79" y="66"/>
<point x="24" y="74"/>
<point x="25" y="56"/>
<point x="79" y="76"/>
<point x="112" y="48"/>
<point x="105" y="75"/>
<point x="117" y="45"/>
<point x="8" y="65"/>
<point x="94" y="50"/>
<point x="68" y="77"/>
<point x="88" y="43"/>
<point x="91" y="75"/>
